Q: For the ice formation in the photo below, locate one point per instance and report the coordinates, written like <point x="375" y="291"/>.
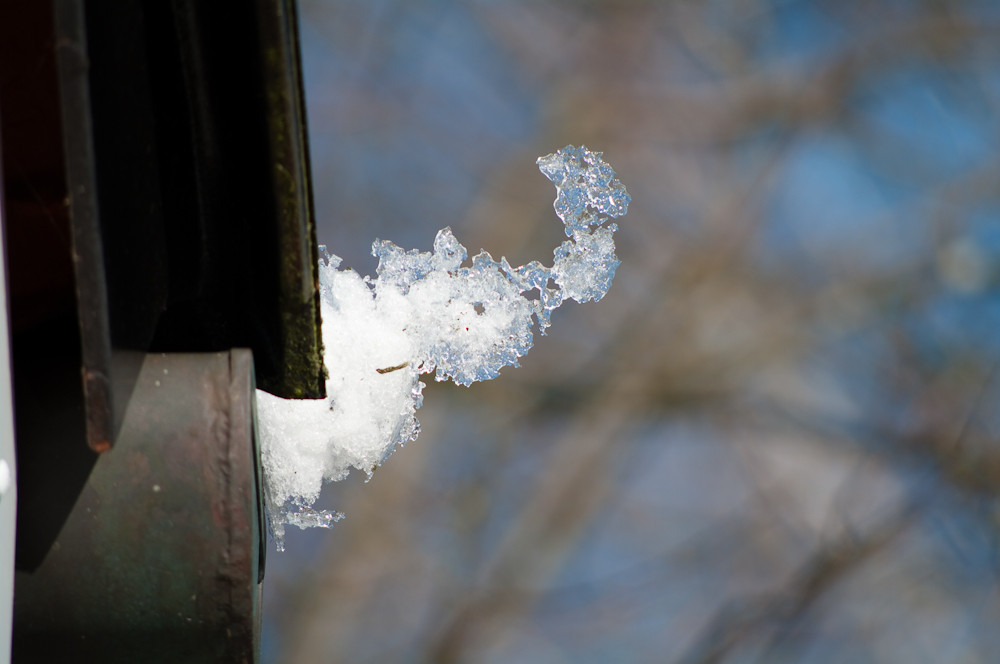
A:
<point x="426" y="312"/>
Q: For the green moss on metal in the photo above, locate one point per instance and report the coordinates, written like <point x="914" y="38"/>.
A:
<point x="302" y="374"/>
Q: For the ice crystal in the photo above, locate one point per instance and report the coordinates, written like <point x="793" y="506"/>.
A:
<point x="426" y="313"/>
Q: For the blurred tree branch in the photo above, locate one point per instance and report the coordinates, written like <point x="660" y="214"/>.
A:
<point x="800" y="368"/>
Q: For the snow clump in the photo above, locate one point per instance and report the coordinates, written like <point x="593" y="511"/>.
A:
<point x="426" y="313"/>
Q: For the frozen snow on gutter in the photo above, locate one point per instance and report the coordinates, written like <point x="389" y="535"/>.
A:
<point x="425" y="312"/>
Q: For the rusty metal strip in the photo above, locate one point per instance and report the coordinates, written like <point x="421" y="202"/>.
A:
<point x="88" y="256"/>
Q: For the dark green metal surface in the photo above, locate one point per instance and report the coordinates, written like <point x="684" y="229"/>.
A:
<point x="160" y="559"/>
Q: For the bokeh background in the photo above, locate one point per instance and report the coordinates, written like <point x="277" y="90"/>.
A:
<point x="776" y="439"/>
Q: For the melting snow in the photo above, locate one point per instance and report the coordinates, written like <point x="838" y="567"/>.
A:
<point x="426" y="313"/>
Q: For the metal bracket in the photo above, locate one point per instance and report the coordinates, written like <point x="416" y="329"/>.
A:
<point x="161" y="558"/>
